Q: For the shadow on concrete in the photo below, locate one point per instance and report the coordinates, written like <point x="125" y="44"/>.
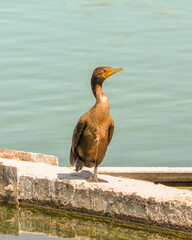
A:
<point x="83" y="175"/>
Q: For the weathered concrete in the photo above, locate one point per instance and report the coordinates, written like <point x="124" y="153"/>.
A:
<point x="29" y="157"/>
<point x="8" y="184"/>
<point x="124" y="199"/>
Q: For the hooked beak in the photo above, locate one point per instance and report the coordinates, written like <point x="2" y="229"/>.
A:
<point x="113" y="71"/>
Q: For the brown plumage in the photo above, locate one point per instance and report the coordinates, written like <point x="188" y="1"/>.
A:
<point x="94" y="129"/>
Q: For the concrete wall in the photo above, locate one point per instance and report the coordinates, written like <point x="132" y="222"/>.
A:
<point x="129" y="200"/>
<point x="168" y="211"/>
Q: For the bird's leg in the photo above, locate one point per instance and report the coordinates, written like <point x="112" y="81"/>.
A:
<point x="95" y="173"/>
<point x="93" y="178"/>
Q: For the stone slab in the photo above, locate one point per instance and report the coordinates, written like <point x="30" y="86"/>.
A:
<point x="28" y="156"/>
<point x="124" y="199"/>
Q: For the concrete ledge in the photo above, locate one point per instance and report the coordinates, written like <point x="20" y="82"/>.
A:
<point x="132" y="200"/>
<point x="167" y="175"/>
<point x="29" y="157"/>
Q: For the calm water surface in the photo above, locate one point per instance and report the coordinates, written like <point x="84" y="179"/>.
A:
<point x="36" y="224"/>
<point x="48" y="52"/>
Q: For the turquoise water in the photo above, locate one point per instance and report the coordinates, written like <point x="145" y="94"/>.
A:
<point x="48" y="52"/>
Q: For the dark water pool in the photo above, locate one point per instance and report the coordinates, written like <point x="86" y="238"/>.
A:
<point x="19" y="223"/>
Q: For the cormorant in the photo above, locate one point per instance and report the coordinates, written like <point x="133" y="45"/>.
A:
<point x="94" y="129"/>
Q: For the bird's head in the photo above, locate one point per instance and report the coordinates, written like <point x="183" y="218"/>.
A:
<point x="102" y="73"/>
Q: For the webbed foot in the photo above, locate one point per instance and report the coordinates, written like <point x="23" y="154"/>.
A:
<point x="92" y="179"/>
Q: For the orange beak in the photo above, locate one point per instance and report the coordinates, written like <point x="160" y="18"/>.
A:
<point x="113" y="71"/>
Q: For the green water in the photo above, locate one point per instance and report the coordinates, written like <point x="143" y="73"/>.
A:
<point x="48" y="52"/>
<point x="35" y="224"/>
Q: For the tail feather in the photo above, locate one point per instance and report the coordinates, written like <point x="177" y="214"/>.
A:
<point x="79" y="164"/>
<point x="72" y="158"/>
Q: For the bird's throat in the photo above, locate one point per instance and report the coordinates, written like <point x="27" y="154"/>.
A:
<point x="98" y="93"/>
<point x="102" y="102"/>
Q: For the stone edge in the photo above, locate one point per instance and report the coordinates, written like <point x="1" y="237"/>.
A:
<point x="28" y="156"/>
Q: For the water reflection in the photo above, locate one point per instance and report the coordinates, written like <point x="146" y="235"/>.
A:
<point x="18" y="221"/>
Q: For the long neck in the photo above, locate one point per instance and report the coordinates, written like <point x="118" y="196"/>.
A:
<point x="101" y="99"/>
<point x="96" y="88"/>
<point x="98" y="93"/>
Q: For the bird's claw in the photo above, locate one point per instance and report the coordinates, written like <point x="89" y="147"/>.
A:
<point x="92" y="179"/>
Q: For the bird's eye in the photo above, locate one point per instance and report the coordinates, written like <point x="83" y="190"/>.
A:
<point x="105" y="70"/>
